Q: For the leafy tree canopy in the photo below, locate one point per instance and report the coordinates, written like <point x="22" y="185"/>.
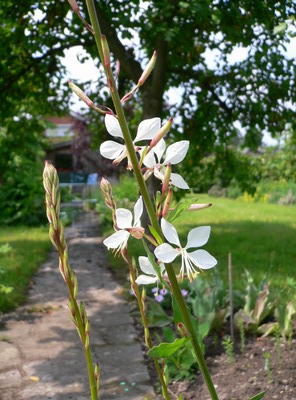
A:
<point x="256" y="91"/>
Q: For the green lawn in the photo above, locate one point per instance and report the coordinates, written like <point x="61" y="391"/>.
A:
<point x="26" y="249"/>
<point x="260" y="236"/>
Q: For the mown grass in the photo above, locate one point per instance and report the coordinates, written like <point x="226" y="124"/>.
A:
<point x="260" y="236"/>
<point x="26" y="250"/>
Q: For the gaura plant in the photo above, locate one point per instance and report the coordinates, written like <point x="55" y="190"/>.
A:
<point x="155" y="266"/>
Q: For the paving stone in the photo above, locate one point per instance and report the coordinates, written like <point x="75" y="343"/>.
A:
<point x="9" y="355"/>
<point x="43" y="343"/>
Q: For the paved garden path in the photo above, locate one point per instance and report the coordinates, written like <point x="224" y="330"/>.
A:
<point x="41" y="356"/>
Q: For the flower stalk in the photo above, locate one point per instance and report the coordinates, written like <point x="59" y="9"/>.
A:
<point x="56" y="234"/>
<point x="141" y="304"/>
<point x="147" y="200"/>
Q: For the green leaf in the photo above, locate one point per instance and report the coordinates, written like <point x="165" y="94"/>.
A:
<point x="155" y="234"/>
<point x="164" y="350"/>
<point x="180" y="397"/>
<point x="180" y="208"/>
<point x="258" y="396"/>
<point x="157" y="317"/>
<point x="280" y="29"/>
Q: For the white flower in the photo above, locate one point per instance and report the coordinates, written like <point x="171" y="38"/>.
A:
<point x="148" y="269"/>
<point x="197" y="237"/>
<point x="147" y="129"/>
<point x="124" y="219"/>
<point x="175" y="153"/>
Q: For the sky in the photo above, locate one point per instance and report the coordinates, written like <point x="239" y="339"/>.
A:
<point x="88" y="71"/>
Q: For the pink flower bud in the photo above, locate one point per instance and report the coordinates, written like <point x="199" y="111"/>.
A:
<point x="80" y="94"/>
<point x="182" y="329"/>
<point x="166" y="179"/>
<point x="147" y="71"/>
<point x="195" y="207"/>
<point x="161" y="133"/>
<point x="105" y="185"/>
<point x="167" y="203"/>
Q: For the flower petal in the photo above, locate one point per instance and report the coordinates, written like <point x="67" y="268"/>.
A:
<point x="178" y="181"/>
<point x="111" y="150"/>
<point x="145" y="280"/>
<point x="146" y="266"/>
<point x="165" y="253"/>
<point x="197" y="237"/>
<point x="149" y="160"/>
<point x="147" y="129"/>
<point x="124" y="218"/>
<point x="158" y="174"/>
<point x="118" y="239"/>
<point x="159" y="149"/>
<point x="138" y="211"/>
<point x="170" y="232"/>
<point x="112" y="126"/>
<point x="202" y="259"/>
<point x="176" y="152"/>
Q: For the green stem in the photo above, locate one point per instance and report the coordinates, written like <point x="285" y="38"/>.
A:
<point x="122" y="121"/>
<point x="194" y="340"/>
<point x="90" y="369"/>
<point x="147" y="200"/>
<point x="145" y="324"/>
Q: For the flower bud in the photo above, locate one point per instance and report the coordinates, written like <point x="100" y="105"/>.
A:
<point x="80" y="94"/>
<point x="106" y="51"/>
<point x="87" y="331"/>
<point x="166" y="179"/>
<point x="161" y="133"/>
<point x="195" y="207"/>
<point x="83" y="313"/>
<point x="74" y="284"/>
<point x="105" y="186"/>
<point x="97" y="376"/>
<point x="182" y="329"/>
<point x="147" y="71"/>
<point x="167" y="203"/>
<point x="72" y="312"/>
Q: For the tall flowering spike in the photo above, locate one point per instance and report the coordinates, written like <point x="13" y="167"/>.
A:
<point x="191" y="261"/>
<point x="80" y="93"/>
<point x="147" y="71"/>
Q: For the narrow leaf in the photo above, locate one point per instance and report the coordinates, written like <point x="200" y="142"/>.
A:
<point x="180" y="208"/>
<point x="164" y="350"/>
<point x="155" y="234"/>
<point x="258" y="396"/>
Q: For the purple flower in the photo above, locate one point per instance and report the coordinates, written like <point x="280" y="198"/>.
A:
<point x="163" y="291"/>
<point x="154" y="290"/>
<point x="184" y="292"/>
<point x="159" y="298"/>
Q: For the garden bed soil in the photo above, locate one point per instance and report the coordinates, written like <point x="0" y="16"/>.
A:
<point x="242" y="379"/>
<point x="247" y="375"/>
